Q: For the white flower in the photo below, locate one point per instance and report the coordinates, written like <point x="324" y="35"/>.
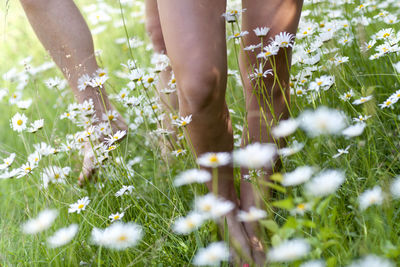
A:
<point x="212" y="207"/>
<point x="114" y="138"/>
<point x="395" y="188"/>
<point x="179" y="152"/>
<point x="397" y="66"/>
<point x="62" y="236"/>
<point x="254" y="214"/>
<point x="370" y="197"/>
<point x="36" y="125"/>
<point x="372" y="261"/>
<point x="79" y="205"/>
<point x="298" y="176"/>
<point x="354" y="130"/>
<point x="7" y="161"/>
<point x="192" y="176"/>
<point x="284" y="39"/>
<point x="185" y="225"/>
<point x="362" y="100"/>
<point x="341" y="152"/>
<point x="313" y="263"/>
<point x="18" y="122"/>
<point x="124" y="190"/>
<point x="214" y="160"/>
<point x="255" y="156"/>
<point x="322" y="121"/>
<point x="290" y="150"/>
<point x="325" y="183"/>
<point x="285" y="128"/>
<point x="289" y="250"/>
<point x="212" y="255"/>
<point x="118" y="235"/>
<point x="116" y="216"/>
<point x="42" y="222"/>
<point x="183" y="121"/>
<point x="261" y="32"/>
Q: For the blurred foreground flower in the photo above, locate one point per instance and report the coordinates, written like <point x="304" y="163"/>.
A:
<point x="117" y="236"/>
<point x="289" y="250"/>
<point x="325" y="183"/>
<point x="192" y="176"/>
<point x="42" y="222"/>
<point x="212" y="255"/>
<point x="63" y="236"/>
<point x="255" y="156"/>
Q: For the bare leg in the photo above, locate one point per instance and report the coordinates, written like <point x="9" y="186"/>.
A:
<point x="170" y="100"/>
<point x="63" y="32"/>
<point x="280" y="16"/>
<point x="197" y="49"/>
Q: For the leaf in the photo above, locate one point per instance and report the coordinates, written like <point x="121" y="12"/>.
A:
<point x="271" y="225"/>
<point x="277" y="177"/>
<point x="286" y="204"/>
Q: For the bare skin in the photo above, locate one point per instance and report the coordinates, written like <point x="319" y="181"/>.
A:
<point x="279" y="16"/>
<point x="198" y="55"/>
<point x="61" y="29"/>
<point x="170" y="100"/>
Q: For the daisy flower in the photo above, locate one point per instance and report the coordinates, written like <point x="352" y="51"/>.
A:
<point x="63" y="236"/>
<point x="261" y="32"/>
<point x="395" y="188"/>
<point x="192" y="176"/>
<point x="42" y="222"/>
<point x="214" y="160"/>
<point x="341" y="152"/>
<point x="289" y="250"/>
<point x="212" y="255"/>
<point x="255" y="156"/>
<point x="124" y="190"/>
<point x="322" y="121"/>
<point x="118" y="235"/>
<point x="183" y="121"/>
<point x="372" y="261"/>
<point x="79" y="205"/>
<point x="186" y="225"/>
<point x="213" y="207"/>
<point x="111" y="139"/>
<point x="290" y="150"/>
<point x="238" y="35"/>
<point x="116" y="216"/>
<point x="18" y="122"/>
<point x="354" y="130"/>
<point x="298" y="176"/>
<point x="362" y="100"/>
<point x="370" y="197"/>
<point x="283" y="39"/>
<point x="260" y="73"/>
<point x="254" y="214"/>
<point x="178" y="152"/>
<point x="285" y="128"/>
<point x="325" y="183"/>
<point x="361" y="118"/>
<point x="7" y="161"/>
<point x="36" y="125"/>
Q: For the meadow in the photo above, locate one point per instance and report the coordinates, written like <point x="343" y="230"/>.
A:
<point x="335" y="196"/>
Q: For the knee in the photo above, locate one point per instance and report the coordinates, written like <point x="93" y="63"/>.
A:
<point x="202" y="91"/>
<point x="153" y="28"/>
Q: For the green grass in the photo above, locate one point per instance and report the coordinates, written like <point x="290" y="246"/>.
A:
<point x="336" y="228"/>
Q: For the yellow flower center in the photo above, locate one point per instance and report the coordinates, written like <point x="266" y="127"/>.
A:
<point x="189" y="223"/>
<point x="122" y="238"/>
<point x="19" y="122"/>
<point x="56" y="176"/>
<point x="28" y="169"/>
<point x="116" y="217"/>
<point x="301" y="206"/>
<point x="150" y="80"/>
<point x="207" y="207"/>
<point x="173" y="81"/>
<point x="184" y="123"/>
<point x="386" y="35"/>
<point x="123" y="95"/>
<point x="213" y="159"/>
<point x="102" y="74"/>
<point x="81" y="206"/>
<point x="319" y="83"/>
<point x="110" y="117"/>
